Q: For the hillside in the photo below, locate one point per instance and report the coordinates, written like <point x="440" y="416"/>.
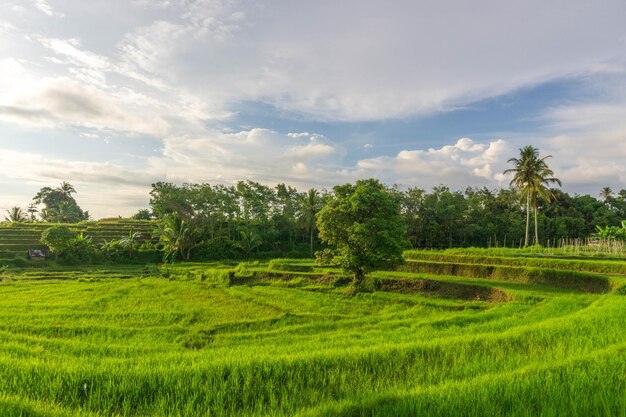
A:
<point x="17" y="238"/>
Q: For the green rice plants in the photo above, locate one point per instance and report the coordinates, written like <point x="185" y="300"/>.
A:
<point x="119" y="340"/>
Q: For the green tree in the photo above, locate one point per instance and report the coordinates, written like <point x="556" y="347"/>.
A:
<point x="311" y="204"/>
<point x="59" y="205"/>
<point x="531" y="176"/>
<point x="15" y="215"/>
<point x="58" y="239"/>
<point x="177" y="236"/>
<point x="606" y="195"/>
<point x="32" y="212"/>
<point x="248" y="243"/>
<point x="130" y="242"/>
<point x="362" y="225"/>
<point x="67" y="189"/>
<point x="143" y="214"/>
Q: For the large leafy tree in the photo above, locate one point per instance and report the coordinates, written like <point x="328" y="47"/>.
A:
<point x="532" y="176"/>
<point x="363" y="226"/>
<point x="58" y="239"/>
<point x="59" y="205"/>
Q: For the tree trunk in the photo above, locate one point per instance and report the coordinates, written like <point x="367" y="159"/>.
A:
<point x="527" y="219"/>
<point x="358" y="278"/>
<point x="536" y="227"/>
<point x="311" y="241"/>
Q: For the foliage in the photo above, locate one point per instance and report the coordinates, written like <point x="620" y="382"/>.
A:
<point x="362" y="224"/>
<point x="130" y="242"/>
<point x="532" y="176"/>
<point x="59" y="205"/>
<point x="58" y="238"/>
<point x="242" y="220"/>
<point x="612" y="232"/>
<point x="177" y="236"/>
<point x="143" y="214"/>
<point x="16" y="215"/>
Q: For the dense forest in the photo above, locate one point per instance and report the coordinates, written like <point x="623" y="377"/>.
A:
<point x="251" y="218"/>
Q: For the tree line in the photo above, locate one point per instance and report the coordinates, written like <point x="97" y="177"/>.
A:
<point x="250" y="219"/>
<point x="216" y="221"/>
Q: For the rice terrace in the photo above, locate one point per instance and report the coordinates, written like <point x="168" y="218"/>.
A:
<point x="276" y="208"/>
<point x="446" y="332"/>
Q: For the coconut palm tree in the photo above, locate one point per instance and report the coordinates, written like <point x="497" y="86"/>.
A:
<point x="606" y="195"/>
<point x="311" y="204"/>
<point x="531" y="176"/>
<point x="177" y="237"/>
<point x="542" y="192"/>
<point x="67" y="189"/>
<point x="32" y="213"/>
<point x="15" y="215"/>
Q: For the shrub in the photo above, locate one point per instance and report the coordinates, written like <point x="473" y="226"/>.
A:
<point x="57" y="238"/>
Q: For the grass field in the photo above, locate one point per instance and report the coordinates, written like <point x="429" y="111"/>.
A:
<point x="459" y="333"/>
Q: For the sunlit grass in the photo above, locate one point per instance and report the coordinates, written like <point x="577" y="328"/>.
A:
<point x="283" y="339"/>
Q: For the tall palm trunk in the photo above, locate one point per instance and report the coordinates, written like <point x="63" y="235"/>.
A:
<point x="536" y="227"/>
<point x="527" y="219"/>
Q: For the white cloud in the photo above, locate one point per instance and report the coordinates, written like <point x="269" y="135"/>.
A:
<point x="176" y="69"/>
<point x="44" y="7"/>
<point x="590" y="148"/>
<point x="255" y="154"/>
<point x="53" y="102"/>
<point x="70" y="48"/>
<point x="390" y="61"/>
<point x="462" y="164"/>
<point x="408" y="59"/>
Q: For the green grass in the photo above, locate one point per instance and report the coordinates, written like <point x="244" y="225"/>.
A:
<point x="615" y="266"/>
<point x="288" y="338"/>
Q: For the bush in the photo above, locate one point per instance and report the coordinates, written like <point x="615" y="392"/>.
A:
<point x="325" y="257"/>
<point x="57" y="238"/>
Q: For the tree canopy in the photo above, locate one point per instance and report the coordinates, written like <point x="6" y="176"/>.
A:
<point x="59" y="205"/>
<point x="362" y="225"/>
<point x="532" y="177"/>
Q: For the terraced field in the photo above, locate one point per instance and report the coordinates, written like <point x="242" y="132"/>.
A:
<point x="17" y="238"/>
<point x="470" y="335"/>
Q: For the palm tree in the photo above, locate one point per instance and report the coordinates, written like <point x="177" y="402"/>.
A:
<point x="67" y="189"/>
<point x="531" y="175"/>
<point x="130" y="242"/>
<point x="32" y="212"/>
<point x="15" y="215"/>
<point x="542" y="192"/>
<point x="310" y="207"/>
<point x="606" y="194"/>
<point x="248" y="243"/>
<point x="177" y="237"/>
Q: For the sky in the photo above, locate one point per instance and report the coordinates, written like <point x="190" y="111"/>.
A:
<point x="115" y="95"/>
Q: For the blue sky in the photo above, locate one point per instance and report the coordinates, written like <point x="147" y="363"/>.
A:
<point x="115" y="95"/>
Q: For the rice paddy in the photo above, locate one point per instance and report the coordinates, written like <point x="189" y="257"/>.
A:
<point x="465" y="333"/>
<point x="17" y="238"/>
